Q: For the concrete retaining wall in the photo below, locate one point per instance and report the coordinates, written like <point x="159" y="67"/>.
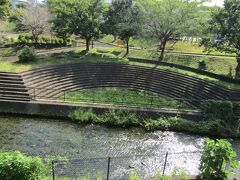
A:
<point x="62" y="110"/>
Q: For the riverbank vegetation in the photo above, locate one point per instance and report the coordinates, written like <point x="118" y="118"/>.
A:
<point x="16" y="166"/>
<point x="223" y="121"/>
<point x="123" y="96"/>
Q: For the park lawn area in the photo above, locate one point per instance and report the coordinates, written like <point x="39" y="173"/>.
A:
<point x="180" y="46"/>
<point x="218" y="65"/>
<point x="124" y="96"/>
<point x="115" y="55"/>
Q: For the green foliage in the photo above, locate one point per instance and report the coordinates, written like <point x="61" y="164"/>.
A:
<point x="16" y="166"/>
<point x="217" y="160"/>
<point x="82" y="18"/>
<point x="26" y="54"/>
<point x="112" y="117"/>
<point x="223" y="30"/>
<point x="125" y="118"/>
<point x="84" y="116"/>
<point x="4" y="9"/>
<point x="120" y="118"/>
<point x="202" y="65"/>
<point x="226" y="112"/>
<point x="123" y="20"/>
<point x="123" y="96"/>
<point x="166" y="20"/>
<point x="27" y="39"/>
<point x="179" y="124"/>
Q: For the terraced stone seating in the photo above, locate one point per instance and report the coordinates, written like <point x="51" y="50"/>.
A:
<point x="51" y="82"/>
<point x="12" y="87"/>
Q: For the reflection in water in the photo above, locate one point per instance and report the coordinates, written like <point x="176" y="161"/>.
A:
<point x="60" y="138"/>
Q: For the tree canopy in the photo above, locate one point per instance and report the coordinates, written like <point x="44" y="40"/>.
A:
<point x="223" y="30"/>
<point x="123" y="20"/>
<point x="4" y="9"/>
<point x="82" y="18"/>
<point x="165" y="20"/>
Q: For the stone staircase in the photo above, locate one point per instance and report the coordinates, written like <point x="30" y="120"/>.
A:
<point x="12" y="87"/>
<point x="53" y="81"/>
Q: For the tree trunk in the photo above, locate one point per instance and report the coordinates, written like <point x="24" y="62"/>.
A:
<point x="87" y="44"/>
<point x="162" y="49"/>
<point x="127" y="41"/>
<point x="238" y="67"/>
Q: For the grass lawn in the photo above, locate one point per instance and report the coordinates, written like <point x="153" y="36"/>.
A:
<point x="217" y="65"/>
<point x="123" y="96"/>
<point x="100" y="55"/>
<point x="180" y="46"/>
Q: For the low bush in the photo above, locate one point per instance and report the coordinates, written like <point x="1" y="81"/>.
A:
<point x="120" y="118"/>
<point x="27" y="39"/>
<point x="202" y="65"/>
<point x="84" y="116"/>
<point x="128" y="118"/>
<point x="16" y="166"/>
<point x="111" y="117"/>
<point x="217" y="160"/>
<point x="26" y="54"/>
<point x="227" y="113"/>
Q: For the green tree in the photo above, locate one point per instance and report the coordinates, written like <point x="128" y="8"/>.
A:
<point x="223" y="28"/>
<point x="217" y="160"/>
<point x="4" y="9"/>
<point x="123" y="20"/>
<point x="82" y="18"/>
<point x="165" y="20"/>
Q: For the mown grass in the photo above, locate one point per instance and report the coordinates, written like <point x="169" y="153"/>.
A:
<point x="180" y="46"/>
<point x="114" y="55"/>
<point x="123" y="96"/>
<point x="217" y="65"/>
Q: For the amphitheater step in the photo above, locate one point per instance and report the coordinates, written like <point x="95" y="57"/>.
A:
<point x="12" y="88"/>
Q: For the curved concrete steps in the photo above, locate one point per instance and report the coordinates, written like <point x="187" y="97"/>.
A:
<point x="51" y="82"/>
<point x="12" y="87"/>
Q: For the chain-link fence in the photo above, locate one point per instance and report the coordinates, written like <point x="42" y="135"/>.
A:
<point x="121" y="168"/>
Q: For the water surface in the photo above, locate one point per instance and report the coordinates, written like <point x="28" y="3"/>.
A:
<point x="135" y="146"/>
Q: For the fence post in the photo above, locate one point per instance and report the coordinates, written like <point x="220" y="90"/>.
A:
<point x="34" y="93"/>
<point x="53" y="173"/>
<point x="93" y="96"/>
<point x="122" y="98"/>
<point x="165" y="164"/>
<point x="64" y="96"/>
<point x="108" y="169"/>
<point x="151" y="101"/>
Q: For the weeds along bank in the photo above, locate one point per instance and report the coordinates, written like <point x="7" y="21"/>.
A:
<point x="221" y="119"/>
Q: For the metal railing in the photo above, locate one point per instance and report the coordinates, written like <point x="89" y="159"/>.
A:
<point x="147" y="100"/>
<point x="121" y="167"/>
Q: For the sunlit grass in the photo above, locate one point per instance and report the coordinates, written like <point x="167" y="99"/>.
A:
<point x="116" y="55"/>
<point x="123" y="96"/>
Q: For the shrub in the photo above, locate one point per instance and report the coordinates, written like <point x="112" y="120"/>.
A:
<point x="120" y="117"/>
<point x="84" y="116"/>
<point x="217" y="160"/>
<point x="227" y="112"/>
<point x="202" y="65"/>
<point x="26" y="54"/>
<point x="16" y="166"/>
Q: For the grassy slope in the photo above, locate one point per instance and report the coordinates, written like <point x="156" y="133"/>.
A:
<point x="123" y="96"/>
<point x="99" y="55"/>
